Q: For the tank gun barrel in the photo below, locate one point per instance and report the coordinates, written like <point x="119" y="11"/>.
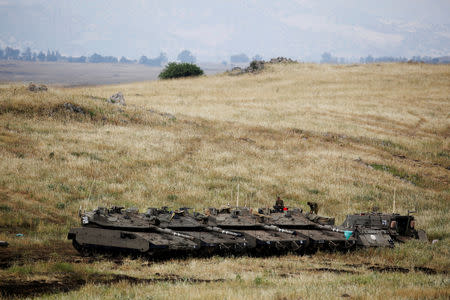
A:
<point x="220" y="230"/>
<point x="276" y="228"/>
<point x="330" y="228"/>
<point x="172" y="232"/>
<point x="255" y="213"/>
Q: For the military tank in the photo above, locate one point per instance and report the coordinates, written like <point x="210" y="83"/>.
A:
<point x="161" y="232"/>
<point x="264" y="237"/>
<point x="320" y="231"/>
<point x="119" y="230"/>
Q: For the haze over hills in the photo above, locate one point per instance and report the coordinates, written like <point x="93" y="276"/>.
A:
<point x="213" y="32"/>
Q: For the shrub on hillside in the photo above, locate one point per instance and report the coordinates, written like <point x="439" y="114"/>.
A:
<point x="177" y="70"/>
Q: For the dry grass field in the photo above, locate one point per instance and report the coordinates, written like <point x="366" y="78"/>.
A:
<point x="349" y="137"/>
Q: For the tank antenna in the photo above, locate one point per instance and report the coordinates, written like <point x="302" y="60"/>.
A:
<point x="237" y="196"/>
<point x="231" y="195"/>
<point x="90" y="190"/>
<point x="393" y="204"/>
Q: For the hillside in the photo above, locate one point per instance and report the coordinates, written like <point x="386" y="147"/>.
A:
<point x="349" y="137"/>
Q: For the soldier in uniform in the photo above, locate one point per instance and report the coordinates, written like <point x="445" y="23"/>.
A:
<point x="279" y="204"/>
<point x="314" y="207"/>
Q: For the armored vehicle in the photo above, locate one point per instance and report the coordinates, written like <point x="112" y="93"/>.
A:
<point x="263" y="237"/>
<point x="160" y="232"/>
<point x="381" y="230"/>
<point x="320" y="231"/>
<point x="157" y="232"/>
<point x="210" y="238"/>
<point x="127" y="231"/>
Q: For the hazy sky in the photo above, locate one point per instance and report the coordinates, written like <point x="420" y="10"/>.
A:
<point x="213" y="30"/>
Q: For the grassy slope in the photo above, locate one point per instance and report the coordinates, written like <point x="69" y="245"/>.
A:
<point x="349" y="137"/>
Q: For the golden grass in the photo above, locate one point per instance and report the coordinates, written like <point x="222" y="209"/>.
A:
<point x="348" y="137"/>
<point x="287" y="277"/>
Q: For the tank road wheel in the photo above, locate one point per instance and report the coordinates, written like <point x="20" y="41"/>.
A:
<point x="83" y="250"/>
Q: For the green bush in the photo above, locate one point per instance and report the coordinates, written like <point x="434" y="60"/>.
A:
<point x="177" y="70"/>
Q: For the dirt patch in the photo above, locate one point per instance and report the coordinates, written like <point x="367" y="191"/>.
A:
<point x="19" y="255"/>
<point x="21" y="289"/>
<point x="428" y="270"/>
<point x="331" y="270"/>
<point x="389" y="269"/>
<point x="398" y="269"/>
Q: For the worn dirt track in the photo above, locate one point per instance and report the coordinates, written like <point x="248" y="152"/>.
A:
<point x="19" y="255"/>
<point x="20" y="289"/>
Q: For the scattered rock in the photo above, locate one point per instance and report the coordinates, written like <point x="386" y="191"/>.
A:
<point x="37" y="88"/>
<point x="74" y="108"/>
<point x="254" y="66"/>
<point x="117" y="99"/>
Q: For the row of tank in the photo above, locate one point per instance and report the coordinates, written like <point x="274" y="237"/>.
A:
<point x="233" y="231"/>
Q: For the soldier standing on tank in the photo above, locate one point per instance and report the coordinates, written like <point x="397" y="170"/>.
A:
<point x="314" y="207"/>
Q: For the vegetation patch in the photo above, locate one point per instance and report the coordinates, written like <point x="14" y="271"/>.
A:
<point x="415" y="179"/>
<point x="60" y="205"/>
<point x="177" y="70"/>
<point x="5" y="208"/>
<point x="63" y="267"/>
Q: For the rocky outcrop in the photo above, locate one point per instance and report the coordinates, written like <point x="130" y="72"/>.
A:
<point x="281" y="60"/>
<point x="258" y="65"/>
<point x="255" y="66"/>
<point x="117" y="99"/>
<point x="37" y="87"/>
